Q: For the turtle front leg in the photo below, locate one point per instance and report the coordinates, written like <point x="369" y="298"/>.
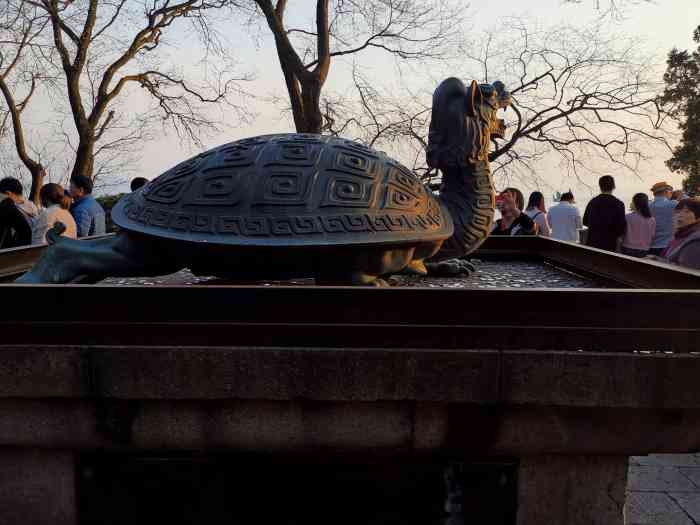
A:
<point x="450" y="268"/>
<point x="447" y="268"/>
<point x="70" y="261"/>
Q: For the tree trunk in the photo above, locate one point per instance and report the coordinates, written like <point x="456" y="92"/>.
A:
<point x="306" y="105"/>
<point x="84" y="158"/>
<point x="34" y="167"/>
<point x="311" y="98"/>
<point x="38" y="176"/>
<point x="305" y="100"/>
<point x="304" y="86"/>
<point x="294" y="91"/>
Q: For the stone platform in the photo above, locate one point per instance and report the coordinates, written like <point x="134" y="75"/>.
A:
<point x="164" y="369"/>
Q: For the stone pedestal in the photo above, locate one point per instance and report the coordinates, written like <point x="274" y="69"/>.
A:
<point x="37" y="487"/>
<point x="572" y="490"/>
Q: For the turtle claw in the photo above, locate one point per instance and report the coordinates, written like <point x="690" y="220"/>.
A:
<point x="384" y="283"/>
<point x="451" y="268"/>
<point x="415" y="267"/>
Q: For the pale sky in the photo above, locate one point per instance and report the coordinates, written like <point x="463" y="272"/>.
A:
<point x="663" y="24"/>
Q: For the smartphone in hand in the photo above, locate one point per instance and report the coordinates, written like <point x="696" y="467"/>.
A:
<point x="500" y="202"/>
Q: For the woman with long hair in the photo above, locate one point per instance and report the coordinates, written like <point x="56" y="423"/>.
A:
<point x="640" y="227"/>
<point x="56" y="205"/>
<point x="537" y="211"/>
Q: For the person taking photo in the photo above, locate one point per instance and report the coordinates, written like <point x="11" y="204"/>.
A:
<point x="513" y="221"/>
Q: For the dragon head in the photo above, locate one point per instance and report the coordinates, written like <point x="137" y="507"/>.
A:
<point x="494" y="97"/>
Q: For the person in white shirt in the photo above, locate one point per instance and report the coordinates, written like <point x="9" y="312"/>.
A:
<point x="565" y="219"/>
<point x="537" y="211"/>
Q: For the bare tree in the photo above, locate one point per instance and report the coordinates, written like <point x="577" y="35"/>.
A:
<point x="381" y="119"/>
<point x="406" y="29"/>
<point x="587" y="96"/>
<point x="579" y="95"/>
<point x="20" y="76"/>
<point x="103" y="48"/>
<point x="612" y="8"/>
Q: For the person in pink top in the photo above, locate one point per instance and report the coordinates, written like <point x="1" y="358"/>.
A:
<point x="641" y="227"/>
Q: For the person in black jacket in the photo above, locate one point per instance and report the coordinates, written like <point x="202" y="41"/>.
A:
<point x="14" y="227"/>
<point x="605" y="217"/>
<point x="513" y="220"/>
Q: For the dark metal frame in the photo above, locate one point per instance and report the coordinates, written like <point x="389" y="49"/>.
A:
<point x="613" y="268"/>
<point x="555" y="319"/>
<point x="619" y="319"/>
<point x="16" y="261"/>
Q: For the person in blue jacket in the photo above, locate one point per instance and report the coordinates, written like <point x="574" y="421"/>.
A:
<point x="88" y="214"/>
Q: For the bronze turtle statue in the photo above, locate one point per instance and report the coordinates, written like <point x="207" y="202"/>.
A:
<point x="294" y="205"/>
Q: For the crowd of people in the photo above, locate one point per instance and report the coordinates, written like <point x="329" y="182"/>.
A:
<point x="23" y="223"/>
<point x="666" y="228"/>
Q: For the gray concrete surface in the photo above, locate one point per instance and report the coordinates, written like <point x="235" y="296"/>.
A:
<point x="663" y="489"/>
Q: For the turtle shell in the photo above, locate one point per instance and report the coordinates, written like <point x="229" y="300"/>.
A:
<point x="287" y="190"/>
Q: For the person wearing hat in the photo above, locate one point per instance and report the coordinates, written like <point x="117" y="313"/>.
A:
<point x="662" y="210"/>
